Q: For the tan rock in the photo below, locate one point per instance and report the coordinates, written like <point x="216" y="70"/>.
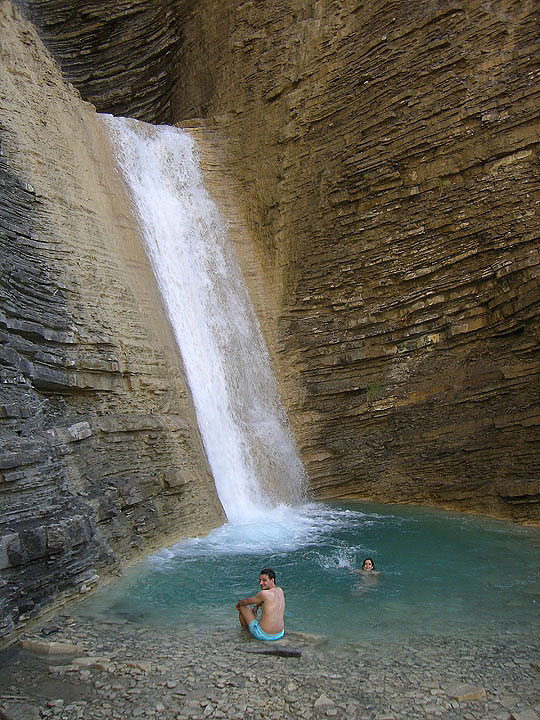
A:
<point x="40" y="647"/>
<point x="382" y="246"/>
<point x="464" y="692"/>
<point x="391" y="223"/>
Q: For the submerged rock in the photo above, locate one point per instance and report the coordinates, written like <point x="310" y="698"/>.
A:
<point x="50" y="648"/>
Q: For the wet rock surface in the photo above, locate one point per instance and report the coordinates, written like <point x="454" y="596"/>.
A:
<point x="122" y="670"/>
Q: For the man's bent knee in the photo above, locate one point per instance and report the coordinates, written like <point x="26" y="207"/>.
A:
<point x="246" y="615"/>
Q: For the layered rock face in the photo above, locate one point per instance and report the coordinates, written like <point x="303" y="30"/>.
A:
<point x="387" y="160"/>
<point x="388" y="154"/>
<point x="101" y="459"/>
<point x="132" y="46"/>
<point x="385" y="164"/>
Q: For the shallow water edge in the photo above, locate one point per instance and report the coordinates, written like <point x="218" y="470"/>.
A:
<point x="439" y="573"/>
<point x="82" y="663"/>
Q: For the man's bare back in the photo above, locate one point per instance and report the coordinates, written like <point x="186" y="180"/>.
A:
<point x="270" y="599"/>
<point x="273" y="607"/>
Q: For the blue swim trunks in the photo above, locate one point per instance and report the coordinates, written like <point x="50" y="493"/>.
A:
<point x="258" y="633"/>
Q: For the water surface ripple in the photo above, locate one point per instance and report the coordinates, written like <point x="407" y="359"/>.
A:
<point x="440" y="573"/>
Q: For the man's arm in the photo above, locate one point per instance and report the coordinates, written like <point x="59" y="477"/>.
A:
<point x="256" y="600"/>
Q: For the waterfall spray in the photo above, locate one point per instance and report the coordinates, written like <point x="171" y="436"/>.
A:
<point x="244" y="428"/>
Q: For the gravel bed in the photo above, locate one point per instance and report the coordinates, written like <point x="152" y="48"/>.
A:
<point x="75" y="668"/>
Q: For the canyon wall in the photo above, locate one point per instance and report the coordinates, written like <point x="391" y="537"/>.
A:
<point x="384" y="164"/>
<point x="101" y="460"/>
<point x="388" y="160"/>
<point x="386" y="156"/>
<point x="120" y="55"/>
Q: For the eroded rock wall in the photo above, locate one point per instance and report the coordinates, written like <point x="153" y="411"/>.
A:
<point x="387" y="159"/>
<point x="388" y="154"/>
<point x="120" y="55"/>
<point x="100" y="458"/>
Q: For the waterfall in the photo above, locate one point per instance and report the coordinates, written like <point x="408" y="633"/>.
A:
<point x="242" y="422"/>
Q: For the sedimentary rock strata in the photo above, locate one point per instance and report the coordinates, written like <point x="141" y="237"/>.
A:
<point x="101" y="459"/>
<point x="388" y="156"/>
<point x="387" y="159"/>
<point x="133" y="46"/>
<point x="385" y="164"/>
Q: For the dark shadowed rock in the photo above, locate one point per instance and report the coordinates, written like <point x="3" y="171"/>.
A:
<point x="281" y="650"/>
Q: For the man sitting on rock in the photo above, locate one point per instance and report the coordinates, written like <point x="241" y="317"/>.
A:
<point x="272" y="601"/>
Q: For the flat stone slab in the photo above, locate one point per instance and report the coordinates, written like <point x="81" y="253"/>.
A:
<point x="50" y="648"/>
<point x="464" y="692"/>
<point x="282" y="650"/>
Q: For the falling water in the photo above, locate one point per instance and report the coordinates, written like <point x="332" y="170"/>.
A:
<point x="243" y="425"/>
<point x="441" y="575"/>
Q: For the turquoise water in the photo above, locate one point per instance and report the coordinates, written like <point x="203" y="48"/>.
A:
<point x="439" y="573"/>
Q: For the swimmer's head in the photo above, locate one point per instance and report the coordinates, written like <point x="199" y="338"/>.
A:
<point x="368" y="564"/>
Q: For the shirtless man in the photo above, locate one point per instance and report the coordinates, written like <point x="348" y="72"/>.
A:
<point x="271" y="599"/>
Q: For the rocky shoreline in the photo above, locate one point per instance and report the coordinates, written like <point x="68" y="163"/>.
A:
<point x="74" y="667"/>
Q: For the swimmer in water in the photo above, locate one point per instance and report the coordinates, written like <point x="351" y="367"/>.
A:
<point x="369" y="566"/>
<point x="368" y="576"/>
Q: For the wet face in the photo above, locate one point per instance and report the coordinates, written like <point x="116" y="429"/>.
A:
<point x="265" y="582"/>
<point x="367" y="565"/>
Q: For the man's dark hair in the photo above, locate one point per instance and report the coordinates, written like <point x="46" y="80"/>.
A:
<point x="268" y="571"/>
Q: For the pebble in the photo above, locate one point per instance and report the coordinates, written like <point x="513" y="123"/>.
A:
<point x="179" y="674"/>
<point x="464" y="692"/>
<point x="525" y="714"/>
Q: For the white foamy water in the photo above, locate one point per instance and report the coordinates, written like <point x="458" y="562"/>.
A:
<point x="282" y="529"/>
<point x="244" y="428"/>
